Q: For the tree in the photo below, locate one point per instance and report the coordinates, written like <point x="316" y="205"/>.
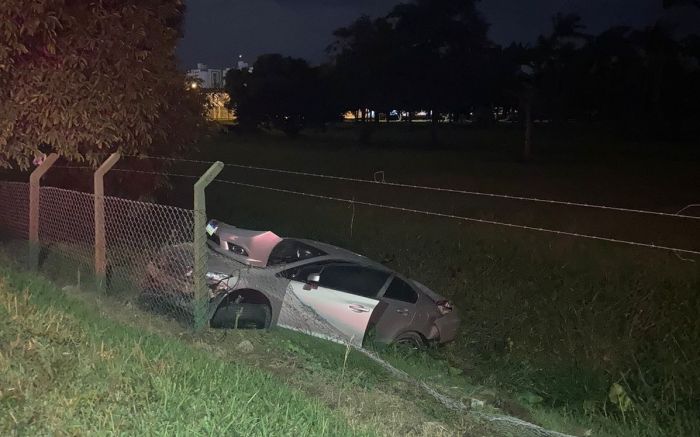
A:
<point x="426" y="54"/>
<point x="84" y="78"/>
<point x="448" y="50"/>
<point x="281" y="92"/>
<point x="368" y="64"/>
<point x="559" y="64"/>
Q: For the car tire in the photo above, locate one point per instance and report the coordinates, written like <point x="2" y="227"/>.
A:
<point x="412" y="340"/>
<point x="242" y="316"/>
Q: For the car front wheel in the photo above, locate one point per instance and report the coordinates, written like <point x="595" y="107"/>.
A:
<point x="242" y="316"/>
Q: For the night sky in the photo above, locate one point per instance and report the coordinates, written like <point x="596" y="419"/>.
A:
<point x="218" y="30"/>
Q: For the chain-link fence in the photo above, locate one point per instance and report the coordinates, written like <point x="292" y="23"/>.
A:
<point x="150" y="259"/>
<point x="14" y="210"/>
<point x="137" y="236"/>
<point x="252" y="282"/>
<point x="66" y="229"/>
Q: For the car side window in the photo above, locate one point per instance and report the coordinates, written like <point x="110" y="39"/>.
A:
<point x="401" y="291"/>
<point x="352" y="279"/>
<point x="301" y="273"/>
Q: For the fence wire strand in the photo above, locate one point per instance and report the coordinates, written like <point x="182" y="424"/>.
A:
<point x="383" y="182"/>
<point x="462" y="218"/>
<point x="150" y="256"/>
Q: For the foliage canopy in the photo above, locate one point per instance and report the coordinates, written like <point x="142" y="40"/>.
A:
<point x="83" y="78"/>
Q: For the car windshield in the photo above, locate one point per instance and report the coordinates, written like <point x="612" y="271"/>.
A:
<point x="289" y="251"/>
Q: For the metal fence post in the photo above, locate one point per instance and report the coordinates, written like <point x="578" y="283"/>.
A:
<point x="201" y="292"/>
<point x="34" y="194"/>
<point x="100" y="235"/>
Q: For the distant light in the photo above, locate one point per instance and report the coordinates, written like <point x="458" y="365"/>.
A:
<point x="193" y="85"/>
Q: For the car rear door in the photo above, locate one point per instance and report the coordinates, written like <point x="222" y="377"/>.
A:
<point x="339" y="307"/>
<point x="400" y="312"/>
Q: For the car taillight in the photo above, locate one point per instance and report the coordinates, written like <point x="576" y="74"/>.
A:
<point x="445" y="307"/>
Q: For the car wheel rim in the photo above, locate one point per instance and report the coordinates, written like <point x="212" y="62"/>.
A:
<point x="409" y="342"/>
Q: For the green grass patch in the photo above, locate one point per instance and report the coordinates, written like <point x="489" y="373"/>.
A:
<point x="65" y="369"/>
<point x="561" y="318"/>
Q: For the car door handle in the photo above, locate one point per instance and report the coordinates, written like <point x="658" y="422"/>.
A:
<point x="358" y="308"/>
<point x="402" y="311"/>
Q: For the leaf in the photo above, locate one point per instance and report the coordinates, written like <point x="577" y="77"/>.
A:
<point x="618" y="396"/>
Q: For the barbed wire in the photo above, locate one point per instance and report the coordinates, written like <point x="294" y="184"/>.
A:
<point x="73" y="167"/>
<point x="415" y="211"/>
<point x="128" y="170"/>
<point x="429" y="188"/>
<point x="462" y="218"/>
<point x="156" y="173"/>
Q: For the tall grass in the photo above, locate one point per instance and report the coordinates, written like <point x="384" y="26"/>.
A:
<point x="563" y="318"/>
<point x="64" y="369"/>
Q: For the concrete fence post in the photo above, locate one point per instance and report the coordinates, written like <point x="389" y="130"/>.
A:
<point x="201" y="292"/>
<point x="100" y="233"/>
<point x="34" y="195"/>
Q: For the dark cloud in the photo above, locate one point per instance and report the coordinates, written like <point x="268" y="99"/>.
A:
<point x="218" y="30"/>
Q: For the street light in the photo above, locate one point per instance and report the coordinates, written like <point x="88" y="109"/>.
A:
<point x="194" y="85"/>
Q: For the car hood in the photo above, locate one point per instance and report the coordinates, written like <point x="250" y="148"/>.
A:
<point x="258" y="244"/>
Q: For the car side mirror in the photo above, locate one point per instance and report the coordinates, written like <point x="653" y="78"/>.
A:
<point x="312" y="281"/>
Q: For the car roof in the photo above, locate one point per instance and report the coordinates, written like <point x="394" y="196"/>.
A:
<point x="341" y="254"/>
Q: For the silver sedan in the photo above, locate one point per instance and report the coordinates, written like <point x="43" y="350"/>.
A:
<point x="260" y="280"/>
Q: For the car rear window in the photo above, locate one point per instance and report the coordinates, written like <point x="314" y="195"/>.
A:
<point x="401" y="291"/>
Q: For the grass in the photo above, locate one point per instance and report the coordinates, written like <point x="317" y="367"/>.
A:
<point x="549" y="323"/>
<point x="561" y="318"/>
<point x="358" y="392"/>
<point x="304" y="373"/>
<point x="65" y="370"/>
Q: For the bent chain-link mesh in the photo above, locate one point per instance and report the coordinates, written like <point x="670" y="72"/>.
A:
<point x="14" y="210"/>
<point x="149" y="256"/>
<point x="142" y="242"/>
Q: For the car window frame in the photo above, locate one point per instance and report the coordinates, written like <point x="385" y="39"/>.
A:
<point x="321" y="252"/>
<point x="380" y="290"/>
<point x="407" y="282"/>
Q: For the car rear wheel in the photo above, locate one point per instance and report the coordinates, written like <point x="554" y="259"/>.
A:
<point x="411" y="340"/>
<point x="242" y="316"/>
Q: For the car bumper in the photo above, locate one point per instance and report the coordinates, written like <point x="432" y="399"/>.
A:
<point x="448" y="326"/>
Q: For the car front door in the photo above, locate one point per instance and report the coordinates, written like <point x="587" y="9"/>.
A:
<point x="338" y="307"/>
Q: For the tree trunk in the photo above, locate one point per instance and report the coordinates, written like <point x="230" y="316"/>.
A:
<point x="527" y="149"/>
<point x="434" y="122"/>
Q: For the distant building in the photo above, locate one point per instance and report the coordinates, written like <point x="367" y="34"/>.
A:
<point x="214" y="81"/>
<point x="213" y="78"/>
<point x="242" y="65"/>
<point x="207" y="78"/>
